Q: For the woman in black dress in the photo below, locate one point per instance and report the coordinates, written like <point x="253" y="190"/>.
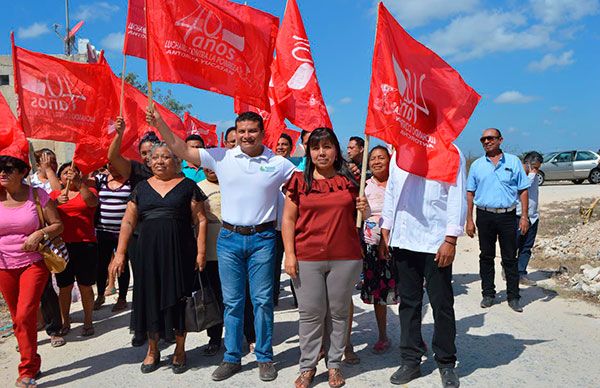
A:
<point x="166" y="206"/>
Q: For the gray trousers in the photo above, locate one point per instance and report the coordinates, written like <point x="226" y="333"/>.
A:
<point x="324" y="291"/>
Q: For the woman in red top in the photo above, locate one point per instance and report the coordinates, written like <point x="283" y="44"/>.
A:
<point x="76" y="208"/>
<point x="323" y="254"/>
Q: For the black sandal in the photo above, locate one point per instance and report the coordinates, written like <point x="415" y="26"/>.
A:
<point x="149" y="368"/>
<point x="178" y="368"/>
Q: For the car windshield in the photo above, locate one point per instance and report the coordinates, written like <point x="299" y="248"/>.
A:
<point x="549" y="156"/>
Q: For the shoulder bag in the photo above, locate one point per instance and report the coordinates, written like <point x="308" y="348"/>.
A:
<point x="202" y="309"/>
<point x="54" y="251"/>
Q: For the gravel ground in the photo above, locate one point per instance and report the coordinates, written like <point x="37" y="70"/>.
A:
<point x="546" y="346"/>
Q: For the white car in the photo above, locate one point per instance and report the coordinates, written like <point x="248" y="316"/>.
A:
<point x="575" y="166"/>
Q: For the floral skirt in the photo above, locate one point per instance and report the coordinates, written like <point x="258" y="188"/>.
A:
<point x="379" y="279"/>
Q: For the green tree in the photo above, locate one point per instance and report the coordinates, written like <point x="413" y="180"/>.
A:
<point x="165" y="98"/>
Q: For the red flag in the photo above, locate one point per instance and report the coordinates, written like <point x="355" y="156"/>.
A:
<point x="12" y="138"/>
<point x="297" y="91"/>
<point x="215" y="45"/>
<point x="208" y="132"/>
<point x="62" y="100"/>
<point x="135" y="31"/>
<point x="418" y="102"/>
<point x="222" y="144"/>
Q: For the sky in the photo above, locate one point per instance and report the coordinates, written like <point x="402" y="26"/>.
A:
<point x="536" y="63"/>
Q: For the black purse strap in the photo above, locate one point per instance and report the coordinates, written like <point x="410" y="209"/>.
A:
<point x="201" y="286"/>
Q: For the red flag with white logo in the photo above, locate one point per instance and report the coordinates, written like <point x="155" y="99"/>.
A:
<point x="216" y="45"/>
<point x="297" y="91"/>
<point x="135" y="30"/>
<point x="12" y="138"/>
<point x="418" y="102"/>
<point x="62" y="100"/>
<point x="208" y="132"/>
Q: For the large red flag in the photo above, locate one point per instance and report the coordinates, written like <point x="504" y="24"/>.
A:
<point x="208" y="132"/>
<point x="297" y="91"/>
<point x="215" y="45"/>
<point x="12" y="139"/>
<point x="62" y="100"/>
<point x="418" y="102"/>
<point x="135" y="31"/>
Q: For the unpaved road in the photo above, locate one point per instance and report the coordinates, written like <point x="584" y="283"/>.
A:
<point x="554" y="343"/>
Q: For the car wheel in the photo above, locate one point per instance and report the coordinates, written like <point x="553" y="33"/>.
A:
<point x="595" y="176"/>
<point x="541" y="178"/>
<point x="578" y="181"/>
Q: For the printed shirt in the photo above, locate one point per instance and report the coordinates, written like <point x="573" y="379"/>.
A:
<point x="420" y="212"/>
<point x="37" y="182"/>
<point x="534" y="192"/>
<point x="497" y="186"/>
<point x="77" y="217"/>
<point x="111" y="204"/>
<point x="195" y="174"/>
<point x="16" y="224"/>
<point x="375" y="194"/>
<point x="250" y="186"/>
<point x="212" y="206"/>
<point x="326" y="225"/>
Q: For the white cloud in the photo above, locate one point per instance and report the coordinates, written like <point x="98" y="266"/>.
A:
<point x="513" y="97"/>
<point x="32" y="31"/>
<point x="558" y="109"/>
<point x="415" y="13"/>
<point x="223" y="125"/>
<point x="512" y="130"/>
<point x="101" y="10"/>
<point x="547" y="122"/>
<point x="486" y="32"/>
<point x="551" y="60"/>
<point x="562" y="11"/>
<point x="113" y="41"/>
<point x="346" y="101"/>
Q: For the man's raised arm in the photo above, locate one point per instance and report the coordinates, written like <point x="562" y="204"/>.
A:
<point x="177" y="145"/>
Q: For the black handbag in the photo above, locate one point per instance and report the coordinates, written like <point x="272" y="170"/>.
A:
<point x="202" y="309"/>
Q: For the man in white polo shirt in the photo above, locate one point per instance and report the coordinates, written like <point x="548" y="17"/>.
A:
<point x="250" y="176"/>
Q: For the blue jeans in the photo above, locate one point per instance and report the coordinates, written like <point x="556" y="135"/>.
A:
<point x="524" y="246"/>
<point x="243" y="258"/>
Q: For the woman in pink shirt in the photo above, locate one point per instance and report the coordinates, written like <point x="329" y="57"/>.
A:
<point x="23" y="274"/>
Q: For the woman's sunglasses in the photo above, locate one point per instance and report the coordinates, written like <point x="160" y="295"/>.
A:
<point x="8" y="169"/>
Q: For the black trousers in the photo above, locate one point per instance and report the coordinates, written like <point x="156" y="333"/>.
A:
<point x="51" y="309"/>
<point x="411" y="269"/>
<point x="502" y="227"/>
<point x="215" y="333"/>
<point x="107" y="243"/>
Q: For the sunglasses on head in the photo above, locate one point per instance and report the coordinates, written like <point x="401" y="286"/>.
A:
<point x="8" y="169"/>
<point x="490" y="138"/>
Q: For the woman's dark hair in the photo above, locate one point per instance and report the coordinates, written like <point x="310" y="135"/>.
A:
<point x="340" y="167"/>
<point x="196" y="138"/>
<point x="288" y="138"/>
<point x="379" y="147"/>
<point x="149" y="136"/>
<point x="20" y="165"/>
<point x="38" y="154"/>
<point x="64" y="166"/>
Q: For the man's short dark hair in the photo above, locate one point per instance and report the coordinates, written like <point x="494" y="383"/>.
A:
<point x="533" y="157"/>
<point x="288" y="138"/>
<point x="195" y="137"/>
<point x="228" y="131"/>
<point x="359" y="140"/>
<point x="251" y="116"/>
<point x="497" y="131"/>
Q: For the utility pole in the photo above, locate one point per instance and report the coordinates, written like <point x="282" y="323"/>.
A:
<point x="67" y="38"/>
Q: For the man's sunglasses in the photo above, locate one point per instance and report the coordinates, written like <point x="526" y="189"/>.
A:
<point x="7" y="169"/>
<point x="490" y="138"/>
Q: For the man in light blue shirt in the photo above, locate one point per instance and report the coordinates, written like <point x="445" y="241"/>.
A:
<point x="495" y="183"/>
<point x="531" y="162"/>
<point x="189" y="170"/>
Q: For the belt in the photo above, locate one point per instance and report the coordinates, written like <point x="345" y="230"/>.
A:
<point x="497" y="210"/>
<point x="248" y="230"/>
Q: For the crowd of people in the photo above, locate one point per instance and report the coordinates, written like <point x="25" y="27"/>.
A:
<point x="237" y="215"/>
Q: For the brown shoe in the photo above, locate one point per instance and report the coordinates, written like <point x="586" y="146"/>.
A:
<point x="305" y="378"/>
<point x="336" y="379"/>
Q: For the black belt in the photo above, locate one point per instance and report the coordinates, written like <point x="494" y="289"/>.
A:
<point x="249" y="230"/>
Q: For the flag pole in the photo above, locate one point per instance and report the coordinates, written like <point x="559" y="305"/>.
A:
<point x="68" y="180"/>
<point x="122" y="85"/>
<point x="363" y="178"/>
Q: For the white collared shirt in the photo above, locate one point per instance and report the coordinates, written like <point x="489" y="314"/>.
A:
<point x="419" y="212"/>
<point x="250" y="186"/>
